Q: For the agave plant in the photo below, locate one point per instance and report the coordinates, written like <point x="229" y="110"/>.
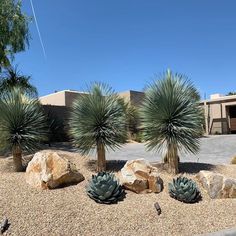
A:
<point x="171" y="117"/>
<point x="98" y="122"/>
<point x="184" y="190"/>
<point x="105" y="188"/>
<point x="22" y="124"/>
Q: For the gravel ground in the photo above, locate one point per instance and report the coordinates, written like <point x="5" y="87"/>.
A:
<point x="68" y="211"/>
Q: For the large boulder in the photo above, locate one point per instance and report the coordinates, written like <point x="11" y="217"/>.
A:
<point x="140" y="176"/>
<point x="217" y="185"/>
<point x="48" y="170"/>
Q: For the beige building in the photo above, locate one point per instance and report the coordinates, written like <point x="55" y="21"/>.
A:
<point x="61" y="98"/>
<point x="220" y="114"/>
<point x="220" y="111"/>
<point x="67" y="97"/>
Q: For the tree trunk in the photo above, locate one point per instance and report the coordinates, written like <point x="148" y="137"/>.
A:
<point x="17" y="159"/>
<point x="172" y="159"/>
<point x="101" y="157"/>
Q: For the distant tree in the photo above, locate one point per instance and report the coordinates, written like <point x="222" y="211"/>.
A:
<point x="98" y="121"/>
<point x="13" y="78"/>
<point x="231" y="93"/>
<point x="14" y="31"/>
<point x="22" y="124"/>
<point x="171" y="117"/>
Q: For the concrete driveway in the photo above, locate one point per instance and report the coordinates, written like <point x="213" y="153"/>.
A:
<point x="217" y="149"/>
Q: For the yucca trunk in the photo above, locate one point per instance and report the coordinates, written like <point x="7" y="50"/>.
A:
<point x="101" y="166"/>
<point x="17" y="158"/>
<point x="172" y="159"/>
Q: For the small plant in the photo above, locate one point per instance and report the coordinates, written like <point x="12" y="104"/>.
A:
<point x="184" y="190"/>
<point x="104" y="188"/>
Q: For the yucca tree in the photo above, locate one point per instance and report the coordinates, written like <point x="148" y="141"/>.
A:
<point x="13" y="78"/>
<point x="98" y="121"/>
<point x="171" y="117"/>
<point x="22" y="124"/>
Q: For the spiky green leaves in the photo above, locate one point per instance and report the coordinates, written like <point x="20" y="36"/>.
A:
<point x="98" y="117"/>
<point x="105" y="188"/>
<point x="22" y="122"/>
<point x="171" y="114"/>
<point x="184" y="190"/>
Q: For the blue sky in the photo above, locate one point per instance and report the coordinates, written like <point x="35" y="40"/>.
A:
<point x="124" y="43"/>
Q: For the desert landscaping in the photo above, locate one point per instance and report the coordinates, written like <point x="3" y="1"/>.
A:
<point x="69" y="211"/>
<point x="99" y="136"/>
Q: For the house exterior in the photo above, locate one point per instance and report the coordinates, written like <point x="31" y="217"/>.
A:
<point x="220" y="114"/>
<point x="63" y="98"/>
<point x="219" y="110"/>
<point x="66" y="97"/>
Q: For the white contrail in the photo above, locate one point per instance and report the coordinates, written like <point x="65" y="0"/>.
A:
<point x="37" y="26"/>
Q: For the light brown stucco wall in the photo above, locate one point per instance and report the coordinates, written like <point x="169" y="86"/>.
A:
<point x="56" y="99"/>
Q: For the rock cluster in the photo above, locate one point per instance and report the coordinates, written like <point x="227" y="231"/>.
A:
<point x="139" y="176"/>
<point x="217" y="185"/>
<point x="48" y="170"/>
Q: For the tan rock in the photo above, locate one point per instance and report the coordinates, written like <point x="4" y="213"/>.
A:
<point x="217" y="185"/>
<point x="233" y="161"/>
<point x="140" y="176"/>
<point x="155" y="183"/>
<point x="48" y="170"/>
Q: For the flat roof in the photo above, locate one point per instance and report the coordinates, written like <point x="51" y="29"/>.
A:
<point x="220" y="99"/>
<point x="63" y="91"/>
<point x="80" y="92"/>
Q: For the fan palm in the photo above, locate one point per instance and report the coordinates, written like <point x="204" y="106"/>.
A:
<point x="13" y="78"/>
<point x="98" y="121"/>
<point x="171" y="117"/>
<point x="22" y="124"/>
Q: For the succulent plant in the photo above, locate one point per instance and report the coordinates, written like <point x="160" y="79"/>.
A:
<point x="184" y="190"/>
<point x="105" y="188"/>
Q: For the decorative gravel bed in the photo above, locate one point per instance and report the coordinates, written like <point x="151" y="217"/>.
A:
<point x="69" y="211"/>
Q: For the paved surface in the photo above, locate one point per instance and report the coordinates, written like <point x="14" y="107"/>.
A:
<point x="218" y="149"/>
<point x="227" y="232"/>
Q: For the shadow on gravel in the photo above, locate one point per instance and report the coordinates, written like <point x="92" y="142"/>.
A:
<point x="184" y="167"/>
<point x="62" y="146"/>
<point x="187" y="167"/>
<point x="194" y="167"/>
<point x="111" y="165"/>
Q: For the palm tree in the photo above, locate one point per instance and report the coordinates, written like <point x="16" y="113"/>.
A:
<point x="98" y="121"/>
<point x="13" y="78"/>
<point x="22" y="124"/>
<point x="171" y="117"/>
